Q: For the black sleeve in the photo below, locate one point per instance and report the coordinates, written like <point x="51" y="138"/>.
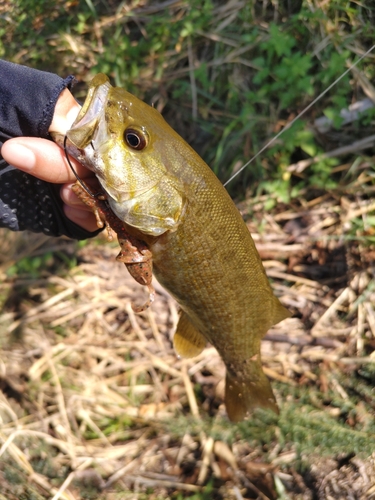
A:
<point x="27" y="102"/>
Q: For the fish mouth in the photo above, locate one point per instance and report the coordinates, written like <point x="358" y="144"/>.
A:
<point x="86" y="129"/>
<point x="86" y="124"/>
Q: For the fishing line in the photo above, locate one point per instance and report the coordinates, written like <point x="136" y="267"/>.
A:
<point x="83" y="184"/>
<point x="299" y="116"/>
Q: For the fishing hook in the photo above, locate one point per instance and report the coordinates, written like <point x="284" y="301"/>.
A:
<point x="82" y="183"/>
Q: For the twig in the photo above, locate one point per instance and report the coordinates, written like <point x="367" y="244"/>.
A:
<point x="324" y="124"/>
<point x="155" y="329"/>
<point x="303" y="340"/>
<point x="365" y="143"/>
<point x="341" y="299"/>
<point x="163" y="483"/>
<point x="206" y="459"/>
<point x="189" y="391"/>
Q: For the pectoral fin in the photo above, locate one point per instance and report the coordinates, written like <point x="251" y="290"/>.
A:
<point x="188" y="341"/>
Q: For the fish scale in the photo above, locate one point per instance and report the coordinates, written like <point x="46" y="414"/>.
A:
<point x="202" y="250"/>
<point x="228" y="298"/>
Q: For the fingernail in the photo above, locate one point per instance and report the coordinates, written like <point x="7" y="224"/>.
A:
<point x="18" y="155"/>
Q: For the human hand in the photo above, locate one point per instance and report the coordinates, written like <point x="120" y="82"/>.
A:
<point x="47" y="161"/>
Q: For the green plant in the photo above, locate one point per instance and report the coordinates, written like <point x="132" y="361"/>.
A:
<point x="244" y="78"/>
<point x="32" y="266"/>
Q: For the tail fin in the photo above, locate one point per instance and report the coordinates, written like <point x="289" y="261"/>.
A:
<point x="242" y="396"/>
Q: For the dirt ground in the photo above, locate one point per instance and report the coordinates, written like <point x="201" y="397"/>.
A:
<point x="94" y="402"/>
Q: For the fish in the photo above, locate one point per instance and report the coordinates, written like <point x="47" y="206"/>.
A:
<point x="170" y="200"/>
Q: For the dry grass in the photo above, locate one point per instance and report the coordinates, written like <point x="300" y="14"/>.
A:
<point x="95" y="404"/>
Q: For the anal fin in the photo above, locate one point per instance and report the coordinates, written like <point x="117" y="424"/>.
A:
<point x="279" y="312"/>
<point x="188" y="341"/>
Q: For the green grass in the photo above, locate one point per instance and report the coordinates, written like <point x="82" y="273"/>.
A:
<point x="301" y="427"/>
<point x="227" y="87"/>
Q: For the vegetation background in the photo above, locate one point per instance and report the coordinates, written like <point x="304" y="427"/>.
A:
<point x="93" y="402"/>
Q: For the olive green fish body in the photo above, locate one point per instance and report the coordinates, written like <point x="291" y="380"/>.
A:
<point x="202" y="251"/>
<point x="212" y="268"/>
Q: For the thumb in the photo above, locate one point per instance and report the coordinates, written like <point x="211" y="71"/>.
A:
<point x="66" y="111"/>
<point x="43" y="159"/>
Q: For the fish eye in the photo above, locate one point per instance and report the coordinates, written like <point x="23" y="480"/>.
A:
<point x="135" y="139"/>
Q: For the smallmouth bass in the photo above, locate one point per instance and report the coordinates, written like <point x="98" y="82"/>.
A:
<point x="202" y="251"/>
